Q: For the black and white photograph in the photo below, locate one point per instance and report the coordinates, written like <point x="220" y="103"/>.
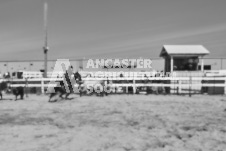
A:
<point x="112" y="75"/>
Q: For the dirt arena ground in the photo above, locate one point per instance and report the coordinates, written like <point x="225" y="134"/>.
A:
<point x="114" y="123"/>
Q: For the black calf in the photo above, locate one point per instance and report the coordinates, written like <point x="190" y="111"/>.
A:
<point x="18" y="91"/>
<point x="3" y="86"/>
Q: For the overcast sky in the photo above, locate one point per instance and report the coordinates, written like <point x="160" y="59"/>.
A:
<point x="110" y="28"/>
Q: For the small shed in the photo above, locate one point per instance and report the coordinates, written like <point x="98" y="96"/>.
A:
<point x="183" y="57"/>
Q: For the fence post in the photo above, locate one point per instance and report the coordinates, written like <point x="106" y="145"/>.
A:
<point x="127" y="90"/>
<point x="190" y="82"/>
<point x="225" y="85"/>
<point x="179" y="87"/>
<point x="26" y="86"/>
<point x="42" y="86"/>
<point x="134" y="86"/>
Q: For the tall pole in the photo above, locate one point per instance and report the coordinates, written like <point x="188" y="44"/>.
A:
<point x="202" y="64"/>
<point x="171" y="64"/>
<point x="45" y="48"/>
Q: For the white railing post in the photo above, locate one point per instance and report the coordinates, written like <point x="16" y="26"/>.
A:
<point x="171" y="64"/>
<point x="26" y="86"/>
<point x="179" y="87"/>
<point x="225" y="85"/>
<point x="134" y="86"/>
<point x="127" y="90"/>
<point x="42" y="86"/>
<point x="190" y="85"/>
<point x="202" y="64"/>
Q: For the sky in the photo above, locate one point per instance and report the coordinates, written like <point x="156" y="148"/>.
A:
<point x="109" y="28"/>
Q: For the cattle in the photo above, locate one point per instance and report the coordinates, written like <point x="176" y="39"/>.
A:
<point x="1" y="94"/>
<point x="3" y="87"/>
<point x="18" y="91"/>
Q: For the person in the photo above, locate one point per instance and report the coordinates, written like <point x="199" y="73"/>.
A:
<point x="68" y="80"/>
<point x="6" y="75"/>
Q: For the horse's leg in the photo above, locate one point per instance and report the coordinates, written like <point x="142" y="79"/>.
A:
<point x="56" y="90"/>
<point x="80" y="90"/>
<point x="61" y="95"/>
<point x="15" y="97"/>
<point x="51" y="95"/>
<point x="107" y="90"/>
<point x="80" y="93"/>
<point x="106" y="93"/>
<point x="22" y="94"/>
<point x="164" y="90"/>
<point x="66" y="96"/>
<point x="61" y="91"/>
<point x="154" y="90"/>
<point x="157" y="91"/>
<point x="102" y="93"/>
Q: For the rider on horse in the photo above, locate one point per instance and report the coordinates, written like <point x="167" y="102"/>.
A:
<point x="67" y="85"/>
<point x="71" y="78"/>
<point x="68" y="80"/>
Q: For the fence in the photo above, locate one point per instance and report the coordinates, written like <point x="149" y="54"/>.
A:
<point x="183" y="83"/>
<point x="177" y="85"/>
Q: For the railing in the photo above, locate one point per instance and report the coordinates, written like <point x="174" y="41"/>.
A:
<point x="178" y="84"/>
<point x="36" y="74"/>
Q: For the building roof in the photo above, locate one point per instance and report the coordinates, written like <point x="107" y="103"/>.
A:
<point x="183" y="50"/>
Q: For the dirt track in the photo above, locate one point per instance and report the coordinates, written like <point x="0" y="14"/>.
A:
<point x="117" y="123"/>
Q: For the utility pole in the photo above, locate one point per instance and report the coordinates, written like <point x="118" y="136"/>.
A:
<point x="45" y="48"/>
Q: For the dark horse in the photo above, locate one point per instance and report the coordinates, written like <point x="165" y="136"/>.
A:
<point x="67" y="86"/>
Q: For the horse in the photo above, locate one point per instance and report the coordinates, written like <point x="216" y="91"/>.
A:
<point x="61" y="88"/>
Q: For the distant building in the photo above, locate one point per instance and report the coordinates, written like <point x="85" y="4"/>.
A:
<point x="183" y="57"/>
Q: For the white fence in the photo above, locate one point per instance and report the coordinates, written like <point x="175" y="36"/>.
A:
<point x="34" y="74"/>
<point x="178" y="83"/>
